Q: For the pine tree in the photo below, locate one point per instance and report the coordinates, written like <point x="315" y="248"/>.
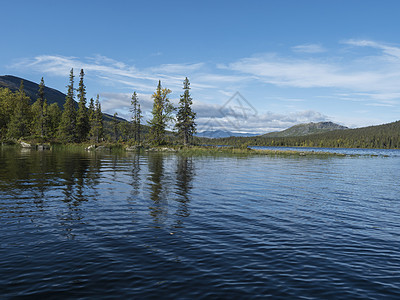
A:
<point x="136" y="117"/>
<point x="20" y="120"/>
<point x="45" y="123"/>
<point x="82" y="118"/>
<point x="96" y="120"/>
<point x="38" y="121"/>
<point x="138" y="122"/>
<point x="99" y="120"/>
<point x="91" y="116"/>
<point x="7" y="105"/>
<point x="67" y="130"/>
<point x="53" y="119"/>
<point x="185" y="116"/>
<point x="115" y="126"/>
<point x="162" y="110"/>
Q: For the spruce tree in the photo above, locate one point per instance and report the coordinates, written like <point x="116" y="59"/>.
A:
<point x="96" y="120"/>
<point x="82" y="118"/>
<point x="7" y="105"/>
<point x="138" y="122"/>
<point x="53" y="119"/>
<point x="136" y="117"/>
<point x="38" y="121"/>
<point x="67" y="130"/>
<point x="185" y="124"/>
<point x="115" y="126"/>
<point x="19" y="125"/>
<point x="91" y="116"/>
<point x="45" y="119"/>
<point x="162" y="110"/>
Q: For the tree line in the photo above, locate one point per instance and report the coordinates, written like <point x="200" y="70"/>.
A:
<point x="19" y="119"/>
<point x="386" y="136"/>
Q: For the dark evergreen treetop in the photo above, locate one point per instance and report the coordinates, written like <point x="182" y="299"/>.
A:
<point x="82" y="118"/>
<point x="185" y="117"/>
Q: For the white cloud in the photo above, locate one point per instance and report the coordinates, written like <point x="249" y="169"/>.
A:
<point x="309" y="48"/>
<point x="370" y="76"/>
<point x="177" y="68"/>
<point x="389" y="50"/>
<point x="211" y="118"/>
<point x="306" y="73"/>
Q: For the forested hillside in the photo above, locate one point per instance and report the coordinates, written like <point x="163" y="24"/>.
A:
<point x="306" y="129"/>
<point x="384" y="136"/>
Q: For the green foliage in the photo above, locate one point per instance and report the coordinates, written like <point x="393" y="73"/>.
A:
<point x="185" y="117"/>
<point x="96" y="120"/>
<point x="19" y="124"/>
<point x="115" y="126"/>
<point x="38" y="113"/>
<point x="82" y="117"/>
<point x="67" y="129"/>
<point x="385" y="136"/>
<point x="7" y="104"/>
<point x="53" y="119"/>
<point x="136" y="117"/>
<point x="162" y="115"/>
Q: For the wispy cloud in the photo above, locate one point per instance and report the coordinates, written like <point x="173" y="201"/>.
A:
<point x="309" y="48"/>
<point x="113" y="71"/>
<point x="262" y="123"/>
<point x="389" y="50"/>
<point x="368" y="73"/>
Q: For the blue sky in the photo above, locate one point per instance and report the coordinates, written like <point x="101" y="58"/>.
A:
<point x="291" y="61"/>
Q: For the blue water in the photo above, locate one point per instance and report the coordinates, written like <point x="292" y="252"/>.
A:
<point x="100" y="225"/>
<point x="346" y="151"/>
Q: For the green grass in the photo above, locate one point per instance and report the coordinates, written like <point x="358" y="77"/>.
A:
<point x="118" y="147"/>
<point x="212" y="150"/>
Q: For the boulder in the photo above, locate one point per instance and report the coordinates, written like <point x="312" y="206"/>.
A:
<point x="25" y="145"/>
<point x="90" y="148"/>
<point x="43" y="147"/>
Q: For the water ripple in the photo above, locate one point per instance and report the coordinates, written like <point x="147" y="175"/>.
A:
<point x="151" y="226"/>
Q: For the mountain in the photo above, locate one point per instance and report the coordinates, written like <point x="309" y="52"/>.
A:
<point x="31" y="89"/>
<point x="216" y="134"/>
<point x="306" y="129"/>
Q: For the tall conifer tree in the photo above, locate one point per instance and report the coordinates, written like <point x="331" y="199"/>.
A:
<point x="67" y="129"/>
<point x="185" y="117"/>
<point x="136" y="117"/>
<point x="82" y="118"/>
<point x="162" y="110"/>
<point x="99" y="119"/>
<point x="38" y="121"/>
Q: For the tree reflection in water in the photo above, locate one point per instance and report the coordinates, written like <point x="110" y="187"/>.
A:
<point x="184" y="177"/>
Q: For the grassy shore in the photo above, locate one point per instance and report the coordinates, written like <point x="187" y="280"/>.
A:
<point x="211" y="150"/>
<point x="187" y="151"/>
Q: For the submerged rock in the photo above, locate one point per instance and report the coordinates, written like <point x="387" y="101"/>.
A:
<point x="43" y="147"/>
<point x="25" y="145"/>
<point x="102" y="148"/>
<point x="90" y="148"/>
<point x="133" y="148"/>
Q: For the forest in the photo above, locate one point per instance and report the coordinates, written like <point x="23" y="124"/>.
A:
<point x="81" y="122"/>
<point x="386" y="136"/>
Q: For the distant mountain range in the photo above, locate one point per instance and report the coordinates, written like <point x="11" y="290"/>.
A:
<point x="306" y="129"/>
<point x="296" y="130"/>
<point x="216" y="134"/>
<point x="31" y="89"/>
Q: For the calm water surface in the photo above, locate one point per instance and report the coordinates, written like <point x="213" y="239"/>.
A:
<point x="100" y="225"/>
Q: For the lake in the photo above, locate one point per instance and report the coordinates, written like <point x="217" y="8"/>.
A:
<point x="154" y="225"/>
